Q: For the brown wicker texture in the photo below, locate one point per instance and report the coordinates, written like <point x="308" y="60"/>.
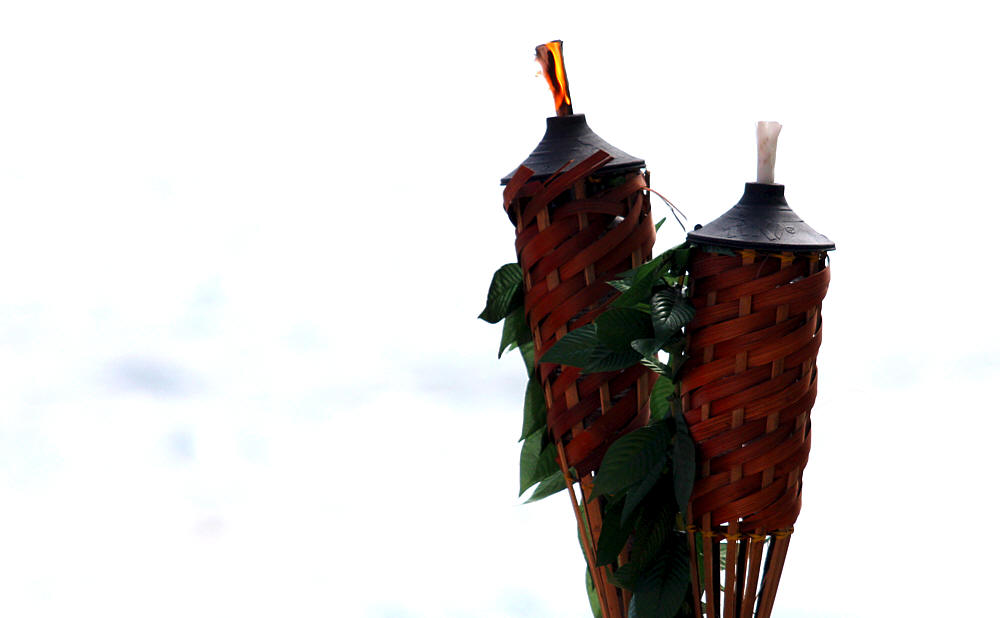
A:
<point x="746" y="392"/>
<point x="575" y="232"/>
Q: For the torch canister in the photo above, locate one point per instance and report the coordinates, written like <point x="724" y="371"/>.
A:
<point x="757" y="275"/>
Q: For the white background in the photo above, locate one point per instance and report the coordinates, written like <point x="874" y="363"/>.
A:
<point x="243" y="246"/>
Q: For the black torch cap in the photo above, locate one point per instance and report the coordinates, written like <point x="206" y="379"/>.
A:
<point x="761" y="220"/>
<point x="570" y="138"/>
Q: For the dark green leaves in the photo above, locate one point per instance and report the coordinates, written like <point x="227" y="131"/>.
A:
<point x="534" y="408"/>
<point x="528" y="354"/>
<point x="659" y="400"/>
<point x="656" y="523"/>
<point x="595" y="601"/>
<point x="618" y="328"/>
<point x="537" y="463"/>
<point x="515" y="331"/>
<point x="503" y="295"/>
<point x="552" y="484"/>
<point x="683" y="462"/>
<point x="654" y="364"/>
<point x="661" y="589"/>
<point x="670" y="312"/>
<point x="632" y="458"/>
<point x="641" y="282"/>
<point x="645" y="479"/>
<point x="604" y="345"/>
<point x="575" y="348"/>
<point x="614" y="534"/>
<point x="583" y="348"/>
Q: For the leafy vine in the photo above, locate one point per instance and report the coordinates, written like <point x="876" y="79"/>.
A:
<point x="644" y="481"/>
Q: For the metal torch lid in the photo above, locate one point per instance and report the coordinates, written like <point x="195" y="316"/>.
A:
<point x="570" y="138"/>
<point x="761" y="220"/>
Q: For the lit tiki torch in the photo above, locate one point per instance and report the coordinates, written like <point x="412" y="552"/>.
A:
<point x="582" y="217"/>
<point x="758" y="277"/>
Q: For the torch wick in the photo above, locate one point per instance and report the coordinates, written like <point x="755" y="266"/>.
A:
<point x="550" y="56"/>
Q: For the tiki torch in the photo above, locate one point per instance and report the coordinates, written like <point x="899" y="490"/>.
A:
<point x="758" y="276"/>
<point x="582" y="217"/>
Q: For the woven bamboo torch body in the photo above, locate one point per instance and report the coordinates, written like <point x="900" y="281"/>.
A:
<point x="758" y="277"/>
<point x="582" y="217"/>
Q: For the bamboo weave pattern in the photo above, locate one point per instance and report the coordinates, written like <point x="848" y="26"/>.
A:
<point x="575" y="233"/>
<point x="576" y="230"/>
<point x="747" y="392"/>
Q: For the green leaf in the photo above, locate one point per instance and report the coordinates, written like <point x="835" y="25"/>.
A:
<point x="635" y="494"/>
<point x="661" y="589"/>
<point x="552" y="484"/>
<point x="660" y="307"/>
<point x="534" y="408"/>
<point x="659" y="399"/>
<point x="614" y="534"/>
<point x="626" y="575"/>
<point x="631" y="458"/>
<point x="677" y="259"/>
<point x="677" y="360"/>
<point x="646" y="347"/>
<point x="528" y="354"/>
<point x="515" y="331"/>
<point x="595" y="599"/>
<point x="656" y="523"/>
<point x="575" y="348"/>
<point x="617" y="328"/>
<point x="655" y="365"/>
<point x="683" y="462"/>
<point x="620" y="284"/>
<point x="628" y="276"/>
<point x="659" y="223"/>
<point x="537" y="463"/>
<point x="603" y="359"/>
<point x="680" y="314"/>
<point x="505" y="293"/>
<point x="642" y="283"/>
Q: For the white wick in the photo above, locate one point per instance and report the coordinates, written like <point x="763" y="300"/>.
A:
<point x="767" y="146"/>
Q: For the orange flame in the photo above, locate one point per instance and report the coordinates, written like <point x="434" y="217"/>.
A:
<point x="550" y="57"/>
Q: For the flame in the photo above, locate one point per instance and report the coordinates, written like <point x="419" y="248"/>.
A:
<point x="550" y="57"/>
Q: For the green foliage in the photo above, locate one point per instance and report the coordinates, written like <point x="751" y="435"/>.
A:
<point x="538" y="459"/>
<point x="603" y="345"/>
<point x="515" y="331"/>
<point x="683" y="462"/>
<point x="646" y="477"/>
<point x="614" y="534"/>
<point x="618" y="328"/>
<point x="505" y="293"/>
<point x="595" y="601"/>
<point x="659" y="400"/>
<point x="534" y="408"/>
<point x="552" y="484"/>
<point x="660" y="590"/>
<point x="669" y="312"/>
<point x="655" y="524"/>
<point x="632" y="458"/>
<point x="575" y="348"/>
<point x="528" y="354"/>
<point x="638" y="493"/>
<point x="641" y="282"/>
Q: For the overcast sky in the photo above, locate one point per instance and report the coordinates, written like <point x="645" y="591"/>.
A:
<point x="243" y="246"/>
